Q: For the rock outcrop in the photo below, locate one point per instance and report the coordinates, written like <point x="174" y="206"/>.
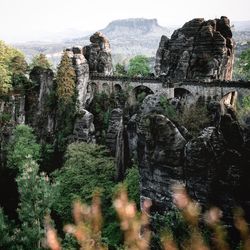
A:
<point x="212" y="165"/>
<point x="98" y="54"/>
<point x="40" y="112"/>
<point x="199" y="50"/>
<point x="84" y="129"/>
<point x="160" y="146"/>
<point x="115" y="141"/>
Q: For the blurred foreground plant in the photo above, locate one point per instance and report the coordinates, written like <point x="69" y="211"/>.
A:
<point x="136" y="226"/>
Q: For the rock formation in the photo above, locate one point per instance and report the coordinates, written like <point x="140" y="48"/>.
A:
<point x="84" y="129"/>
<point x="98" y="54"/>
<point x="40" y="112"/>
<point x="115" y="141"/>
<point x="199" y="50"/>
<point x="160" y="146"/>
<point x="212" y="165"/>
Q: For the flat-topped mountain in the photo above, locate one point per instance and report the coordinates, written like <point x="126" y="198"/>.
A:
<point x="132" y="36"/>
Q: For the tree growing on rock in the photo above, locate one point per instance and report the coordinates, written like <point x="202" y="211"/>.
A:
<point x="66" y="78"/>
<point x="40" y="61"/>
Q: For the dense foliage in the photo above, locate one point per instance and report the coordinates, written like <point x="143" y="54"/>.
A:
<point x="65" y="79"/>
<point x="21" y="147"/>
<point x="242" y="66"/>
<point x="138" y="66"/>
<point x="36" y="193"/>
<point x="40" y="61"/>
<point x="87" y="169"/>
<point x="66" y="98"/>
<point x="120" y="70"/>
<point x="101" y="107"/>
<point x="11" y="62"/>
<point x="36" y="198"/>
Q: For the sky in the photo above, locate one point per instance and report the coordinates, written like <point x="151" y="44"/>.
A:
<point x="26" y="20"/>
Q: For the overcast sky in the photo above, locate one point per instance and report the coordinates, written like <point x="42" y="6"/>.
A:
<point x="23" y="20"/>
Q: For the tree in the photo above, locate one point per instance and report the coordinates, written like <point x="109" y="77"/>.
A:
<point x="7" y="55"/>
<point x="40" y="61"/>
<point x="66" y="78"/>
<point x="120" y="70"/>
<point x="138" y="66"/>
<point x="36" y="198"/>
<point x="5" y="79"/>
<point x="19" y="69"/>
<point x="87" y="168"/>
<point x="36" y="194"/>
<point x="21" y="146"/>
<point x="5" y="229"/>
<point x="242" y="66"/>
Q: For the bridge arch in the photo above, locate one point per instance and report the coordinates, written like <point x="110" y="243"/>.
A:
<point x="184" y="95"/>
<point x="138" y="94"/>
<point x="106" y="88"/>
<point x="117" y="88"/>
<point x="92" y="87"/>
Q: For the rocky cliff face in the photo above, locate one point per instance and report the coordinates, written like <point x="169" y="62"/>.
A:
<point x="212" y="165"/>
<point x="199" y="50"/>
<point x="98" y="54"/>
<point x="40" y="114"/>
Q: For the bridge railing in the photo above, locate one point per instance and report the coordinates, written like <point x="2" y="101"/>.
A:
<point x="164" y="79"/>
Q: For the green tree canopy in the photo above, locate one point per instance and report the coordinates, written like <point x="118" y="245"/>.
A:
<point x="87" y="168"/>
<point x="120" y="70"/>
<point x="139" y="66"/>
<point x="22" y="145"/>
<point x="40" y="61"/>
<point x="245" y="63"/>
<point x="242" y="66"/>
<point x="8" y="55"/>
<point x="36" y="198"/>
<point x="66" y="78"/>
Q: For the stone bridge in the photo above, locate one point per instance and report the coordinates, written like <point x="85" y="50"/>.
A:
<point x="191" y="90"/>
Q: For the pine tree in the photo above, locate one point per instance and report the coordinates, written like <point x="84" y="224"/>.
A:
<point x="40" y="61"/>
<point x="65" y="80"/>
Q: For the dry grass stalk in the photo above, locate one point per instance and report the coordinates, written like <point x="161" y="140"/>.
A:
<point x="241" y="224"/>
<point x="135" y="226"/>
<point x="88" y="223"/>
<point x="52" y="241"/>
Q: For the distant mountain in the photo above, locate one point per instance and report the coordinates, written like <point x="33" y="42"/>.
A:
<point x="128" y="37"/>
<point x="131" y="36"/>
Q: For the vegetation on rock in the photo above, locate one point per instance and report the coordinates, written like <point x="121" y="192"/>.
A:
<point x="40" y="61"/>
<point x="65" y="79"/>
